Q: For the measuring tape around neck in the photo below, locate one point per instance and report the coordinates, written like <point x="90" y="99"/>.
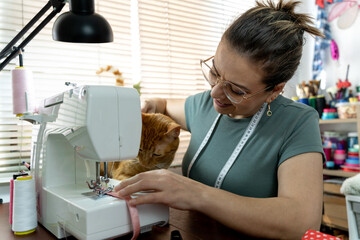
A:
<point x="248" y="132"/>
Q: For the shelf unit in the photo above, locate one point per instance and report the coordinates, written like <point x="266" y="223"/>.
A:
<point x="334" y="202"/>
<point x="342" y="125"/>
<point x="338" y="173"/>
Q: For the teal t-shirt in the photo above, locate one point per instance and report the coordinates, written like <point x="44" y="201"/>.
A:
<point x="292" y="129"/>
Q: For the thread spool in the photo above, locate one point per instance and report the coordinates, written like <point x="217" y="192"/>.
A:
<point x="23" y="93"/>
<point x="22" y="214"/>
<point x="352" y="139"/>
<point x="304" y="100"/>
<point x="320" y="104"/>
<point x="339" y="157"/>
<point x="312" y="102"/>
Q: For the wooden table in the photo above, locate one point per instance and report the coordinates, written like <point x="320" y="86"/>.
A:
<point x="191" y="225"/>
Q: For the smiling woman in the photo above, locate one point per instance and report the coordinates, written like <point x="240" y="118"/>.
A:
<point x="260" y="165"/>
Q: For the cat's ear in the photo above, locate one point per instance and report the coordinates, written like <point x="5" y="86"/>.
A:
<point x="173" y="130"/>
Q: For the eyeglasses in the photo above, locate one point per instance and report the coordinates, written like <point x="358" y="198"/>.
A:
<point x="232" y="91"/>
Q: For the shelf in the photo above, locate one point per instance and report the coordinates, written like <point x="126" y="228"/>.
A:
<point x="337" y="121"/>
<point x="338" y="173"/>
<point x="340" y="125"/>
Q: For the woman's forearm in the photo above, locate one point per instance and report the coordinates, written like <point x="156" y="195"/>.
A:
<point x="276" y="218"/>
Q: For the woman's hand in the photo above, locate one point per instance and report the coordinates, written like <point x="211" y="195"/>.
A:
<point x="154" y="105"/>
<point x="165" y="187"/>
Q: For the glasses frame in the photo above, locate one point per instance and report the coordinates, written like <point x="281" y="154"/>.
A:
<point x="220" y="79"/>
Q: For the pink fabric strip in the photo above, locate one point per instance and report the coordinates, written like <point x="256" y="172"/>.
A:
<point x="134" y="215"/>
<point x="11" y="201"/>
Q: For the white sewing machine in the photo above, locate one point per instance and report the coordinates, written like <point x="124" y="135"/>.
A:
<point x="77" y="130"/>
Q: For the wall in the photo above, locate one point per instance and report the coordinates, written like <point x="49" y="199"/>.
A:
<point x="304" y="72"/>
<point x="348" y="41"/>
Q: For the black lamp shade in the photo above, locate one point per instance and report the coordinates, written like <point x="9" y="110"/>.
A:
<point x="82" y="25"/>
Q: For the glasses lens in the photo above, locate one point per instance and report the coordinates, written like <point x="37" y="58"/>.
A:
<point x="209" y="72"/>
<point x="233" y="92"/>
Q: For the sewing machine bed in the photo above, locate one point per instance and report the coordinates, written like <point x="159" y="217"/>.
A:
<point x="76" y="210"/>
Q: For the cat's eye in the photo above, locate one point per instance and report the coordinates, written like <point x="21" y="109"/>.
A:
<point x="156" y="155"/>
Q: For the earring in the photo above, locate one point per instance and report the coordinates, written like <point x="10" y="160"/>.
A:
<point x="269" y="112"/>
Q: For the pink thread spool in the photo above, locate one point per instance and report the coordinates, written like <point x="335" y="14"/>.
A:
<point x="327" y="152"/>
<point x="22" y="88"/>
<point x="339" y="157"/>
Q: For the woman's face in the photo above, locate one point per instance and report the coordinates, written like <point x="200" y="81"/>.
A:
<point x="240" y="71"/>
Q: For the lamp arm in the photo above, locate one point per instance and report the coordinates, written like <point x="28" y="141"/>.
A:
<point x="57" y="7"/>
<point x="9" y="46"/>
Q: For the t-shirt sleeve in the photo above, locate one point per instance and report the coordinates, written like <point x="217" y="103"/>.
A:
<point x="189" y="111"/>
<point x="304" y="138"/>
<point x="198" y="106"/>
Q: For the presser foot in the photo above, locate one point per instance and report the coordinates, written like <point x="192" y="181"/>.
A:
<point x="98" y="188"/>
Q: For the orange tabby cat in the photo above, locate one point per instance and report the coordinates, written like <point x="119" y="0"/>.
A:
<point x="159" y="142"/>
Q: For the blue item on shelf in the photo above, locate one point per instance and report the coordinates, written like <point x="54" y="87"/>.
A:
<point x="352" y="161"/>
<point x="330" y="164"/>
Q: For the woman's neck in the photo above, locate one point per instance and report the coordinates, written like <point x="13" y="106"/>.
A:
<point x="239" y="116"/>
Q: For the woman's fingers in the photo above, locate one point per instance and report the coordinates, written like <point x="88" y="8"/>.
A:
<point x="154" y="105"/>
<point x="148" y="198"/>
<point x="149" y="107"/>
<point x="125" y="183"/>
<point x="141" y="182"/>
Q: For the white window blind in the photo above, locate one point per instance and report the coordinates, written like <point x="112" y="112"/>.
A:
<point x="157" y="42"/>
<point x="174" y="36"/>
<point x="54" y="63"/>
